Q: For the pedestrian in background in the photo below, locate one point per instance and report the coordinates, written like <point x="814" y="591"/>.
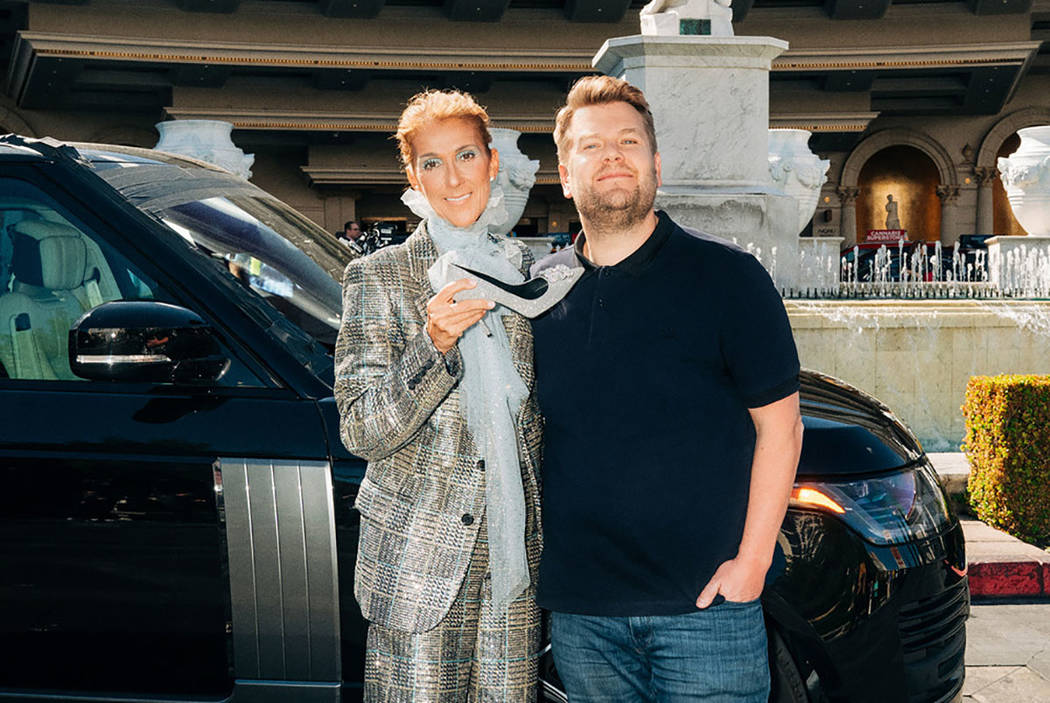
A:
<point x="351" y="237"/>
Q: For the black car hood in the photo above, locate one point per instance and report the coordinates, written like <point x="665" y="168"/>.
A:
<point x="849" y="432"/>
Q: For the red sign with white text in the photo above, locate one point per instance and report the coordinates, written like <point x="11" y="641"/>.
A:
<point x="887" y="235"/>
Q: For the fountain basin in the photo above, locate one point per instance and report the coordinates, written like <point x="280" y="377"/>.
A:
<point x="917" y="356"/>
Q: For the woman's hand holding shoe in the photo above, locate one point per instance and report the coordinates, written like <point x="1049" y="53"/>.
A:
<point x="448" y="319"/>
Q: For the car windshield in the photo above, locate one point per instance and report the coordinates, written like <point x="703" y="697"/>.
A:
<point x="275" y="252"/>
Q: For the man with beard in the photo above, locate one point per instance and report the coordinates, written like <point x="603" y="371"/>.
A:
<point x="668" y="378"/>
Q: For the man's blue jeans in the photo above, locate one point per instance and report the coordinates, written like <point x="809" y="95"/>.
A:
<point x="717" y="655"/>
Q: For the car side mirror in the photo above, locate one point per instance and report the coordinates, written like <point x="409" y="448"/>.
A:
<point x="145" y="341"/>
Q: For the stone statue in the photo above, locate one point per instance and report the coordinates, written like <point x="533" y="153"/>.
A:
<point x="675" y="17"/>
<point x="517" y="175"/>
<point x="893" y="220"/>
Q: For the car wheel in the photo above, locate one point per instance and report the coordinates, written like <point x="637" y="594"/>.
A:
<point x="787" y="685"/>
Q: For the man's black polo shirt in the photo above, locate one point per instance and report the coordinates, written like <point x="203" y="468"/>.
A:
<point x="645" y="374"/>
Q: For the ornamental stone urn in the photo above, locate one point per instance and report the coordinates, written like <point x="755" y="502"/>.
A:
<point x="1026" y="176"/>
<point x="207" y="140"/>
<point x="517" y="175"/>
<point x="797" y="171"/>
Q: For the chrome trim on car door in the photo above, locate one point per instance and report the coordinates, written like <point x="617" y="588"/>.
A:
<point x="284" y="586"/>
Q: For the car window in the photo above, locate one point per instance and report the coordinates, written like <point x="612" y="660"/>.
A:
<point x="53" y="269"/>
<point x="275" y="252"/>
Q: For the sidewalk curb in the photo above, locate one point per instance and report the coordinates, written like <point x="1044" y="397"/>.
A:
<point x="1010" y="579"/>
<point x="1002" y="566"/>
<point x="999" y="565"/>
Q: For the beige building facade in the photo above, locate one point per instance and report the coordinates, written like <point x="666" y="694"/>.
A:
<point x="914" y="100"/>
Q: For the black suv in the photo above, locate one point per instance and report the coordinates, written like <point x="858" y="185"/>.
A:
<point x="177" y="513"/>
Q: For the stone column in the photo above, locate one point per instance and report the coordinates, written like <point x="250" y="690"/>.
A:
<point x="985" y="176"/>
<point x="848" y="215"/>
<point x="949" y="195"/>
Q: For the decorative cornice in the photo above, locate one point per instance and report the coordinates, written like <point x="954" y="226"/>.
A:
<point x="380" y="175"/>
<point x="312" y="121"/>
<point x="830" y="122"/>
<point x="409" y="57"/>
<point x="491" y="59"/>
<point x="330" y="121"/>
<point x="904" y="57"/>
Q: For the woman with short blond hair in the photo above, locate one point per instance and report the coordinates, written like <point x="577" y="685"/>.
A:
<point x="437" y="394"/>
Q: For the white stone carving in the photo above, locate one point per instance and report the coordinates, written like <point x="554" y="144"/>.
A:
<point x="797" y="171"/>
<point x="517" y="175"/>
<point x="207" y="140"/>
<point x="663" y="17"/>
<point x="1026" y="176"/>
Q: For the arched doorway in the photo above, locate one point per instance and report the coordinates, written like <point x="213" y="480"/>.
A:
<point x="911" y="178"/>
<point x="850" y="188"/>
<point x="1004" y="221"/>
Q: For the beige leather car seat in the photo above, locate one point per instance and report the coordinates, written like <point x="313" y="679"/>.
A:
<point x="53" y="283"/>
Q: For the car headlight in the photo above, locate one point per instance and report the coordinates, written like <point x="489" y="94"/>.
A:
<point x="890" y="509"/>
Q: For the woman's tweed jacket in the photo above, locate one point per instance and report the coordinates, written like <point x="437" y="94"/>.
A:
<point x="423" y="495"/>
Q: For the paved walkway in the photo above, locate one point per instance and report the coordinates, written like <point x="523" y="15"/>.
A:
<point x="1008" y="654"/>
<point x="1007" y="643"/>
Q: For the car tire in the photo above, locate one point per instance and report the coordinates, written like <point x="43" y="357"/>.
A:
<point x="787" y="685"/>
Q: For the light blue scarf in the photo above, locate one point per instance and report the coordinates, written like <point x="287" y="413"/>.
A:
<point x="491" y="391"/>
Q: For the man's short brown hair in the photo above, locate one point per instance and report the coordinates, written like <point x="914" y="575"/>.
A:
<point x="600" y="90"/>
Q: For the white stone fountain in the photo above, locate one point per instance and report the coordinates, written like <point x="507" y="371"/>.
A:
<point x="207" y="140"/>
<point x="517" y="175"/>
<point x="799" y="173"/>
<point x="1021" y="265"/>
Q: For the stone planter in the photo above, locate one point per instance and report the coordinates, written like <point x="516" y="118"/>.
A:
<point x="797" y="171"/>
<point x="517" y="175"/>
<point x="1026" y="176"/>
<point x="207" y="140"/>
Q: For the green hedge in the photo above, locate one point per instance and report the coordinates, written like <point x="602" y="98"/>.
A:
<point x="1008" y="445"/>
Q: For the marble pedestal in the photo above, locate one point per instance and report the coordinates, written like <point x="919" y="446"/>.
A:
<point x="710" y="102"/>
<point x="1020" y="265"/>
<point x="759" y="222"/>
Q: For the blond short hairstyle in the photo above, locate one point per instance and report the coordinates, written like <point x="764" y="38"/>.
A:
<point x="434" y="106"/>
<point x="600" y="90"/>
